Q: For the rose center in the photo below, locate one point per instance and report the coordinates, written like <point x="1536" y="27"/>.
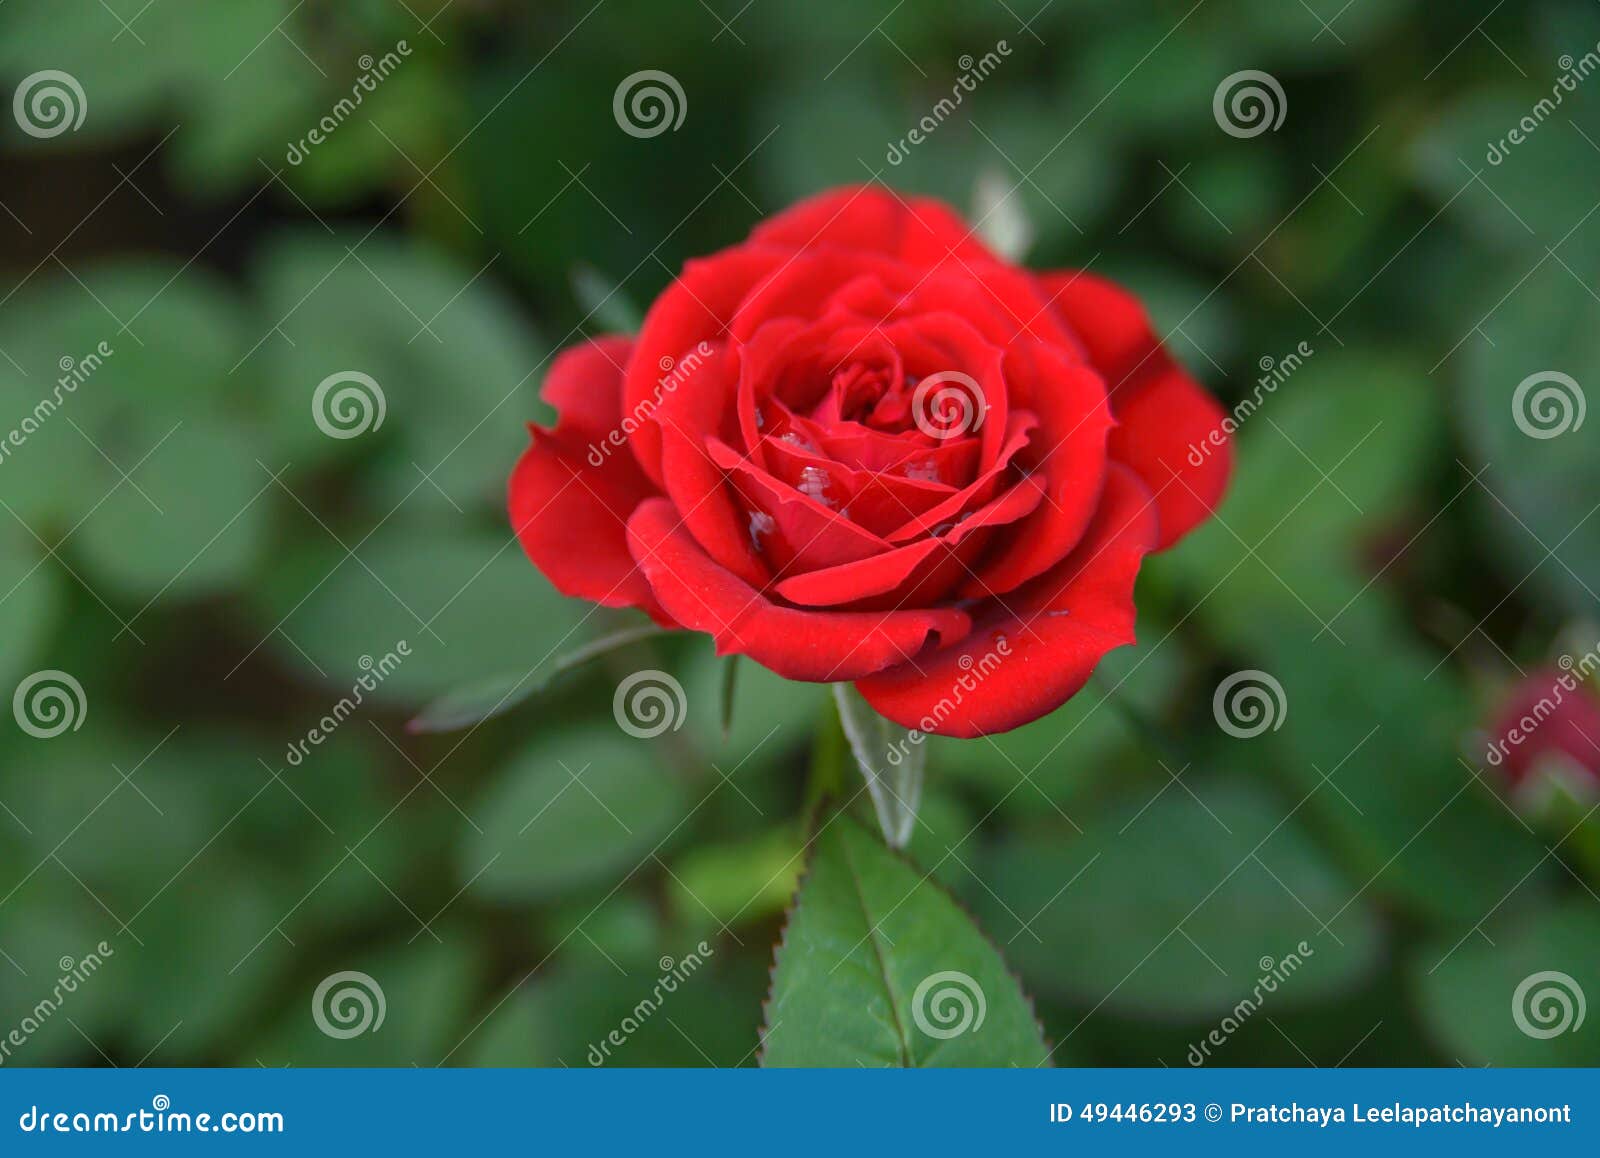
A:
<point x="872" y="394"/>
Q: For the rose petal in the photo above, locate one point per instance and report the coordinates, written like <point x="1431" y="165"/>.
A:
<point x="1068" y="451"/>
<point x="871" y="218"/>
<point x="899" y="574"/>
<point x="1022" y="662"/>
<point x="703" y="407"/>
<point x="695" y="308"/>
<point x="1106" y="319"/>
<point x="1166" y="419"/>
<point x="806" y="532"/>
<point x="979" y="491"/>
<point x="569" y="514"/>
<point x="799" y="645"/>
<point x="1165" y="434"/>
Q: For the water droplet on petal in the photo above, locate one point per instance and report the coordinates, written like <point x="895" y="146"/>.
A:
<point x="761" y="524"/>
<point x="814" y="483"/>
<point x="924" y="471"/>
<point x="800" y="442"/>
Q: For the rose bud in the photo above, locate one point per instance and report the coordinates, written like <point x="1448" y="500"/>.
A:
<point x="1550" y="715"/>
<point x="862" y="447"/>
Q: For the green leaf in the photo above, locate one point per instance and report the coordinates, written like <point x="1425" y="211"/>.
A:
<point x="98" y="404"/>
<point x="192" y="520"/>
<point x="1501" y="997"/>
<point x="467" y="604"/>
<point x="406" y="1001"/>
<point x="603" y="300"/>
<point x="454" y="360"/>
<point x="880" y="967"/>
<point x="479" y="702"/>
<point x="581" y="808"/>
<point x="1339" y="446"/>
<point x="31" y="599"/>
<point x="1539" y="445"/>
<point x="892" y="764"/>
<point x="744" y="880"/>
<point x="1172" y="905"/>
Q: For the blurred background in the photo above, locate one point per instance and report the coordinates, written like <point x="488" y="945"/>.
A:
<point x="217" y="570"/>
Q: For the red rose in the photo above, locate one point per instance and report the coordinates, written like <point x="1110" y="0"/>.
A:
<point x="860" y="446"/>
<point x="1549" y="712"/>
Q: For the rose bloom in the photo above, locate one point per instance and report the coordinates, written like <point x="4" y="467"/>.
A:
<point x="1550" y="712"/>
<point x="861" y="446"/>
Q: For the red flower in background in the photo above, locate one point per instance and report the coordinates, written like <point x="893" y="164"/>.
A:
<point x="860" y="446"/>
<point x="1549" y="712"/>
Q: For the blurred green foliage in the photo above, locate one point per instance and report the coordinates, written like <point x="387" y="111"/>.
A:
<point x="184" y="539"/>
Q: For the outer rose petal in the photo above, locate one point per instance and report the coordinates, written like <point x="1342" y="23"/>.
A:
<point x="695" y="308"/>
<point x="571" y="515"/>
<point x="1109" y="321"/>
<point x="1165" y="428"/>
<point x="872" y="219"/>
<point x="798" y="645"/>
<point x="1057" y="629"/>
<point x="1163" y="413"/>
